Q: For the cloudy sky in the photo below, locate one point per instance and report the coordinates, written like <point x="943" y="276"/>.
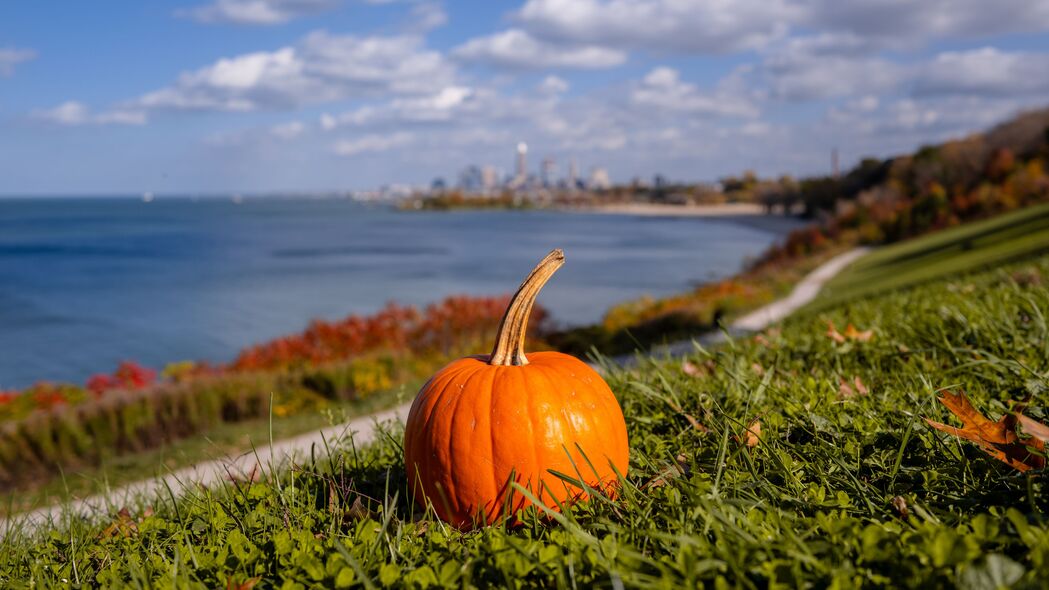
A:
<point x="262" y="95"/>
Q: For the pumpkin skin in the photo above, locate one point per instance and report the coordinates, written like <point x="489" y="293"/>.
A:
<point x="473" y="425"/>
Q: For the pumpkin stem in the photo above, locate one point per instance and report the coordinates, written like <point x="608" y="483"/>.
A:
<point x="509" y="345"/>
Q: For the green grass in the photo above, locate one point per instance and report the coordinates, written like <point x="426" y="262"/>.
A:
<point x="840" y="492"/>
<point x="995" y="241"/>
<point x="223" y="440"/>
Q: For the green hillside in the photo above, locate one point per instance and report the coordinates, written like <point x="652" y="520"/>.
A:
<point x="846" y="486"/>
<point x="984" y="244"/>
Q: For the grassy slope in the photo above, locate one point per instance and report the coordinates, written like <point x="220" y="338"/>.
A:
<point x="981" y="244"/>
<point x="813" y="503"/>
<point x="223" y="440"/>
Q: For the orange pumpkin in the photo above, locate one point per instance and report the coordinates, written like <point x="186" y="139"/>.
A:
<point x="484" y="421"/>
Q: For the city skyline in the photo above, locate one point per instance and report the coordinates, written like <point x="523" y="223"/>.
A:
<point x="321" y="95"/>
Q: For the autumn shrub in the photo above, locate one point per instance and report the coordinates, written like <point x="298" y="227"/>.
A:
<point x="128" y="411"/>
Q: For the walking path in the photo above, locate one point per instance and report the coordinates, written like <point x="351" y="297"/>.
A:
<point x="365" y="429"/>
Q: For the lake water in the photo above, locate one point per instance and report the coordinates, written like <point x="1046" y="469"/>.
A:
<point x="85" y="283"/>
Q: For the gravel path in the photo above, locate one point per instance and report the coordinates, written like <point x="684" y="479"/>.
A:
<point x="364" y="429"/>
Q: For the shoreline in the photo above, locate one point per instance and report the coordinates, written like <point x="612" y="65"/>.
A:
<point x="750" y="215"/>
<point x="658" y="210"/>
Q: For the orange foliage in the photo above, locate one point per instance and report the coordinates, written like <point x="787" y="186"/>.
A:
<point x="441" y="328"/>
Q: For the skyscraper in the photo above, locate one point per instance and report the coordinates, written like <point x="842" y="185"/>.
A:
<point x="599" y="179"/>
<point x="573" y="174"/>
<point x="522" y="161"/>
<point x="548" y="171"/>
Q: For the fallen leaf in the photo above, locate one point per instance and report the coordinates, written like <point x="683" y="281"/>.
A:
<point x="695" y="423"/>
<point x="123" y="525"/>
<point x="833" y="333"/>
<point x="758" y="369"/>
<point x="245" y="585"/>
<point x="900" y="506"/>
<point x="691" y="419"/>
<point x="1033" y="428"/>
<point x="680" y="468"/>
<point x="997" y="439"/>
<point x="853" y="334"/>
<point x="847" y="389"/>
<point x="752" y="436"/>
<point x="689" y="369"/>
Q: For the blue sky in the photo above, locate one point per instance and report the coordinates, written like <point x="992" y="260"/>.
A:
<point x="274" y="95"/>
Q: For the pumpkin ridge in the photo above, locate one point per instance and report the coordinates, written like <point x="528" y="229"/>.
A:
<point x="563" y="450"/>
<point x="452" y="436"/>
<point x="491" y="447"/>
<point x="431" y="396"/>
<point x="446" y="376"/>
<point x="527" y="401"/>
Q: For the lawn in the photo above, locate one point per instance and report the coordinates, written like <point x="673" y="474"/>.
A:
<point x="218" y="442"/>
<point x="987" y="243"/>
<point x="846" y="485"/>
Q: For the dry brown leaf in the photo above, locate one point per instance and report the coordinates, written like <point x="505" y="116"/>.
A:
<point x="689" y="369"/>
<point x="695" y="423"/>
<point x="680" y="468"/>
<point x="122" y="525"/>
<point x="758" y="369"/>
<point x="245" y="585"/>
<point x="752" y="436"/>
<point x="850" y="333"/>
<point x="847" y="389"/>
<point x="691" y="419"/>
<point x="997" y="439"/>
<point x="899" y="504"/>
<point x="833" y="333"/>
<point x="1033" y="428"/>
<point x="853" y="334"/>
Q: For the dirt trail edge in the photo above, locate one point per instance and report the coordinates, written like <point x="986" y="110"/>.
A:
<point x="363" y="430"/>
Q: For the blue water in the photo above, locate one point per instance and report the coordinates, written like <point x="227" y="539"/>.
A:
<point x="87" y="283"/>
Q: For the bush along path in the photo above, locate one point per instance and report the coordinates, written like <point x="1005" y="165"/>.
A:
<point x="796" y="457"/>
<point x="363" y="429"/>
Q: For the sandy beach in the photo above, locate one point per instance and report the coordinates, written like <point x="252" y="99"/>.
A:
<point x="655" y="209"/>
<point x="748" y="214"/>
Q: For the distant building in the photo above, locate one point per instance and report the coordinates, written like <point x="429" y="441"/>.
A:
<point x="548" y="172"/>
<point x="489" y="179"/>
<point x="522" y="162"/>
<point x="573" y="174"/>
<point x="599" y="179"/>
<point x="471" y="179"/>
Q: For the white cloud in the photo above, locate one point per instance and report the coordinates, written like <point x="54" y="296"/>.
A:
<point x="725" y="26"/>
<point x="67" y="113"/>
<point x="320" y="68"/>
<point x="426" y="16"/>
<point x="11" y="57"/>
<point x="289" y="130"/>
<point x="553" y="85"/>
<point x="372" y="143"/>
<point x="916" y="22"/>
<point x="447" y="104"/>
<point x="663" y="89"/>
<point x="518" y="49"/>
<point x="690" y="26"/>
<point x="984" y="72"/>
<point x="257" y="12"/>
<point x="72" y="113"/>
<point x="825" y="66"/>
